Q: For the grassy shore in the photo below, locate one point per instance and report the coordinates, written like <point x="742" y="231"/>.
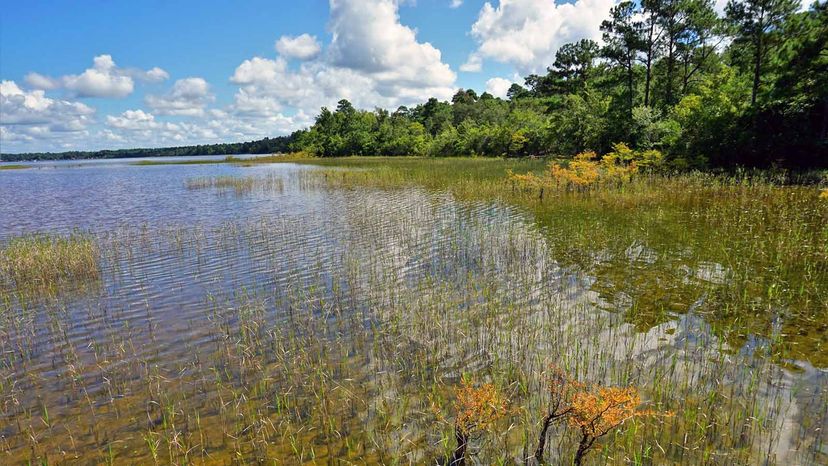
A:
<point x="14" y="167"/>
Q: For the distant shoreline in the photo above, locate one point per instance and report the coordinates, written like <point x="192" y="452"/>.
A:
<point x="278" y="144"/>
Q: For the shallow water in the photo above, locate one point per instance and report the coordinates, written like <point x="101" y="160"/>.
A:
<point x="298" y="323"/>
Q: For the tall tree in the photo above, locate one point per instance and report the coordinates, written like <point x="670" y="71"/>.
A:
<point x="622" y="42"/>
<point x="650" y="41"/>
<point x="701" y="36"/>
<point x="755" y="23"/>
<point x="573" y="63"/>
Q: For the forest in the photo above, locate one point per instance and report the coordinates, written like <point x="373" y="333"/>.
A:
<point x="746" y="88"/>
<point x="263" y="146"/>
<point x="749" y="88"/>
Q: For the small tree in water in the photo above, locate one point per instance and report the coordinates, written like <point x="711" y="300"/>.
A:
<point x="561" y="388"/>
<point x="594" y="410"/>
<point x="478" y="409"/>
<point x="598" y="411"/>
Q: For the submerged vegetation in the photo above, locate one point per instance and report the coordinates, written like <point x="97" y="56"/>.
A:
<point x="408" y="311"/>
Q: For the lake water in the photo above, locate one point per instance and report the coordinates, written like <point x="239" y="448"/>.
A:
<point x="292" y="321"/>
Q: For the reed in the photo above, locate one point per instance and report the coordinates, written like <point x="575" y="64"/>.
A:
<point x="45" y="260"/>
<point x="239" y="185"/>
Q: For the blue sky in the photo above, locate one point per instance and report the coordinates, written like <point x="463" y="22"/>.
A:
<point x="94" y="74"/>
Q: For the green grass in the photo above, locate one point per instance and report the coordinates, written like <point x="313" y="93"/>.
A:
<point x="14" y="167"/>
<point x="238" y="184"/>
<point x="228" y="159"/>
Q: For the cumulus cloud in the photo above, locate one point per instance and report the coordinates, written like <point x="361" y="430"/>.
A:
<point x="368" y="37"/>
<point x="527" y="33"/>
<point x="498" y="87"/>
<point x="473" y="64"/>
<point x="372" y="60"/>
<point x="34" y="109"/>
<point x="38" y="81"/>
<point x="303" y="47"/>
<point x="28" y="116"/>
<point x="188" y="97"/>
<point x="104" y="79"/>
<point x="455" y="3"/>
<point x="134" y="128"/>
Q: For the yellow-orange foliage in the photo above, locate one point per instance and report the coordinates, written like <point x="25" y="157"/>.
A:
<point x="587" y="170"/>
<point x="598" y="411"/>
<point x="823" y="194"/>
<point x="478" y="408"/>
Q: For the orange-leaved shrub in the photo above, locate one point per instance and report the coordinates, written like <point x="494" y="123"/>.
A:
<point x="593" y="410"/>
<point x="477" y="409"/>
<point x="588" y="170"/>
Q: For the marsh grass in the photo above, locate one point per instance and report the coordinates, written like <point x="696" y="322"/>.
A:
<point x="46" y="260"/>
<point x="13" y="167"/>
<point x="228" y="159"/>
<point x="237" y="184"/>
<point x="314" y="338"/>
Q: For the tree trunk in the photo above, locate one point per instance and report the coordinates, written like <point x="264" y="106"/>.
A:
<point x="649" y="65"/>
<point x="583" y="446"/>
<point x="630" y="85"/>
<point x="670" y="65"/>
<point x="547" y="421"/>
<point x="757" y="63"/>
<point x="458" y="458"/>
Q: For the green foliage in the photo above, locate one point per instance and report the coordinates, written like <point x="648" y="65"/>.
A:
<point x="750" y="88"/>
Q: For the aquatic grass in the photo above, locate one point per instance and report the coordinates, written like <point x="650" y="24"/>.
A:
<point x="14" y="166"/>
<point x="239" y="185"/>
<point x="310" y="339"/>
<point x="45" y="260"/>
<point x="228" y="159"/>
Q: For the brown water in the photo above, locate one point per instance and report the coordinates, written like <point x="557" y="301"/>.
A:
<point x="292" y="323"/>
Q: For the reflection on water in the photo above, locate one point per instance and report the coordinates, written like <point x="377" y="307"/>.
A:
<point x="303" y="323"/>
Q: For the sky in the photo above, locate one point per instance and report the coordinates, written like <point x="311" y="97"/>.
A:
<point x="91" y="75"/>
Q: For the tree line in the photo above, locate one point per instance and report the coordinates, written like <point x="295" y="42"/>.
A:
<point x="264" y="146"/>
<point x="749" y="87"/>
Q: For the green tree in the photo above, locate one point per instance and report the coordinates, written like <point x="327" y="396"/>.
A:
<point x="756" y="24"/>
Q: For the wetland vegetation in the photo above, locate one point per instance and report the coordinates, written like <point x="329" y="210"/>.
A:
<point x="414" y="310"/>
<point x="629" y="265"/>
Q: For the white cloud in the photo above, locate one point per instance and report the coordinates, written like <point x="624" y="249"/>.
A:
<point x="303" y="47"/>
<point x="188" y="97"/>
<point x="137" y="128"/>
<point x="473" y="64"/>
<point x="368" y="37"/>
<point x="30" y="116"/>
<point x="527" y="33"/>
<point x="38" y="81"/>
<point x="373" y="60"/>
<point x="455" y="3"/>
<point x="498" y="87"/>
<point x="154" y="75"/>
<point x="33" y="108"/>
<point x="104" y="79"/>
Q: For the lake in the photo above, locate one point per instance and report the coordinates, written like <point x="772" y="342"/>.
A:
<point x="268" y="313"/>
